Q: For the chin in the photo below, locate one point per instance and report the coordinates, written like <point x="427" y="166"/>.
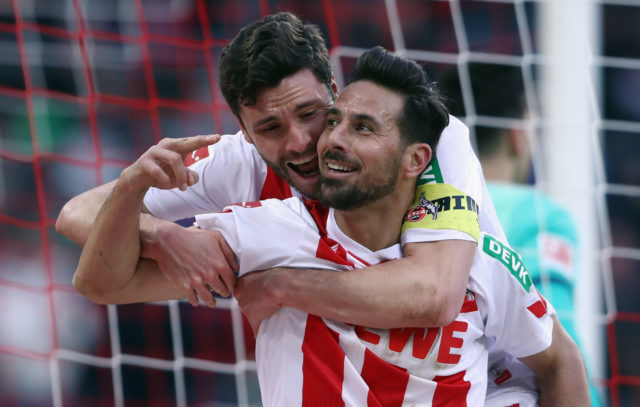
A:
<point x="307" y="186"/>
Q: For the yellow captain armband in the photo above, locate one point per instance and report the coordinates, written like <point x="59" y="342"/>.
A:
<point x="441" y="206"/>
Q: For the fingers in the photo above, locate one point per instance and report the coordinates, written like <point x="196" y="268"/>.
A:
<point x="184" y="146"/>
<point x="218" y="285"/>
<point x="172" y="165"/>
<point x="192" y="297"/>
<point x="169" y="155"/>
<point x="228" y="254"/>
<point x="205" y="295"/>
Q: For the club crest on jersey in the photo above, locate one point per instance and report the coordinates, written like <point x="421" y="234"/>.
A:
<point x="470" y="296"/>
<point x="423" y="208"/>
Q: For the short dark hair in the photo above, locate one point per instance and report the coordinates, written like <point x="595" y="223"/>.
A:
<point x="267" y="51"/>
<point x="424" y="115"/>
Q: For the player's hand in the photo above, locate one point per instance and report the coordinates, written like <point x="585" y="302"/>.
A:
<point x="197" y="261"/>
<point x="256" y="294"/>
<point x="162" y="165"/>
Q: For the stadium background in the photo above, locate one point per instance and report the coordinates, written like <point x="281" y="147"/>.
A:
<point x="86" y="86"/>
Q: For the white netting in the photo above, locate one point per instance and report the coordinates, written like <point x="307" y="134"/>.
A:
<point x="85" y="87"/>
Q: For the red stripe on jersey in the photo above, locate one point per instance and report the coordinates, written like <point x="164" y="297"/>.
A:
<point x="195" y="156"/>
<point x="539" y="309"/>
<point x="387" y="383"/>
<point x="319" y="213"/>
<point x="451" y="391"/>
<point x="322" y="365"/>
<point x="275" y="187"/>
<point x="515" y="405"/>
<point x="328" y="249"/>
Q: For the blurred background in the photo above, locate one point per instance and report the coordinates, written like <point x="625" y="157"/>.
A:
<point x="86" y="86"/>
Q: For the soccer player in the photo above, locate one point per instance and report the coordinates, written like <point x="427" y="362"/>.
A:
<point x="276" y="77"/>
<point x="379" y="137"/>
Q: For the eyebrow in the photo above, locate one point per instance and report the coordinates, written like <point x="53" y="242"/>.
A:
<point x="366" y="117"/>
<point x="299" y="107"/>
<point x="355" y="116"/>
<point x="334" y="111"/>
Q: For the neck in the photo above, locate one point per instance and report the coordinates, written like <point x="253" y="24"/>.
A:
<point x="377" y="225"/>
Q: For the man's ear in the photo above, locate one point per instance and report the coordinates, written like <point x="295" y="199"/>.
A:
<point x="334" y="87"/>
<point x="416" y="158"/>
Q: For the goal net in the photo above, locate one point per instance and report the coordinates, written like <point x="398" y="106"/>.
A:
<point x="88" y="86"/>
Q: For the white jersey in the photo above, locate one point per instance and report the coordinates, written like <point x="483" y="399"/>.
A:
<point x="307" y="360"/>
<point x="232" y="171"/>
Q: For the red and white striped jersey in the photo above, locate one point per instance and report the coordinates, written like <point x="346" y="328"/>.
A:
<point x="307" y="360"/>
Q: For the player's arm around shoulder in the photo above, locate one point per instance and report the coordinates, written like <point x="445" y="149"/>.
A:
<point x="560" y="371"/>
<point x="440" y="271"/>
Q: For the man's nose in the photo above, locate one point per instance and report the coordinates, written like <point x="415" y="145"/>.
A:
<point x="298" y="139"/>
<point x="335" y="137"/>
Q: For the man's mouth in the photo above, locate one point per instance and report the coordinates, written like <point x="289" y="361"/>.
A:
<point x="339" y="167"/>
<point x="305" y="167"/>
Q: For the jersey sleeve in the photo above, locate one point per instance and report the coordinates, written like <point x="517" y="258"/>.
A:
<point x="442" y="208"/>
<point x="267" y="234"/>
<point x="517" y="316"/>
<point x="454" y="173"/>
<point x="230" y="171"/>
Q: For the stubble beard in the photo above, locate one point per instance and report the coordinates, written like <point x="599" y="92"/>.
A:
<point x="350" y="195"/>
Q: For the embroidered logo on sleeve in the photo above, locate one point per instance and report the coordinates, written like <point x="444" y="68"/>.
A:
<point x="509" y="258"/>
<point x="441" y="206"/>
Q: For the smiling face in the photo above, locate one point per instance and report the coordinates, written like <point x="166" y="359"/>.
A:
<point x="285" y="124"/>
<point x="361" y="149"/>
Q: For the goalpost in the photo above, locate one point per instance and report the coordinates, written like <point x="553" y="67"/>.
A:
<point x="85" y="87"/>
<point x="570" y="155"/>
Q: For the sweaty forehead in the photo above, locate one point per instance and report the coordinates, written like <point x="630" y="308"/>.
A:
<point x="300" y="88"/>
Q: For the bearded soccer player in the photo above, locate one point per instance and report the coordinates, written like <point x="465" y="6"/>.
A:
<point x="276" y="77"/>
<point x="379" y="138"/>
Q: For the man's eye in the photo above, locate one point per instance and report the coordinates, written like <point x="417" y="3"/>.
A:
<point x="363" y="127"/>
<point x="332" y="122"/>
<point x="309" y="114"/>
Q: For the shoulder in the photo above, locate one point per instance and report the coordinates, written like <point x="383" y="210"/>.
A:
<point x="231" y="149"/>
<point x="499" y="257"/>
<point x="455" y="162"/>
<point x="453" y="141"/>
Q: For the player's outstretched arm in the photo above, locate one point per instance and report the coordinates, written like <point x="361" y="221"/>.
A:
<point x="560" y="371"/>
<point x="110" y="256"/>
<point x="425" y="288"/>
